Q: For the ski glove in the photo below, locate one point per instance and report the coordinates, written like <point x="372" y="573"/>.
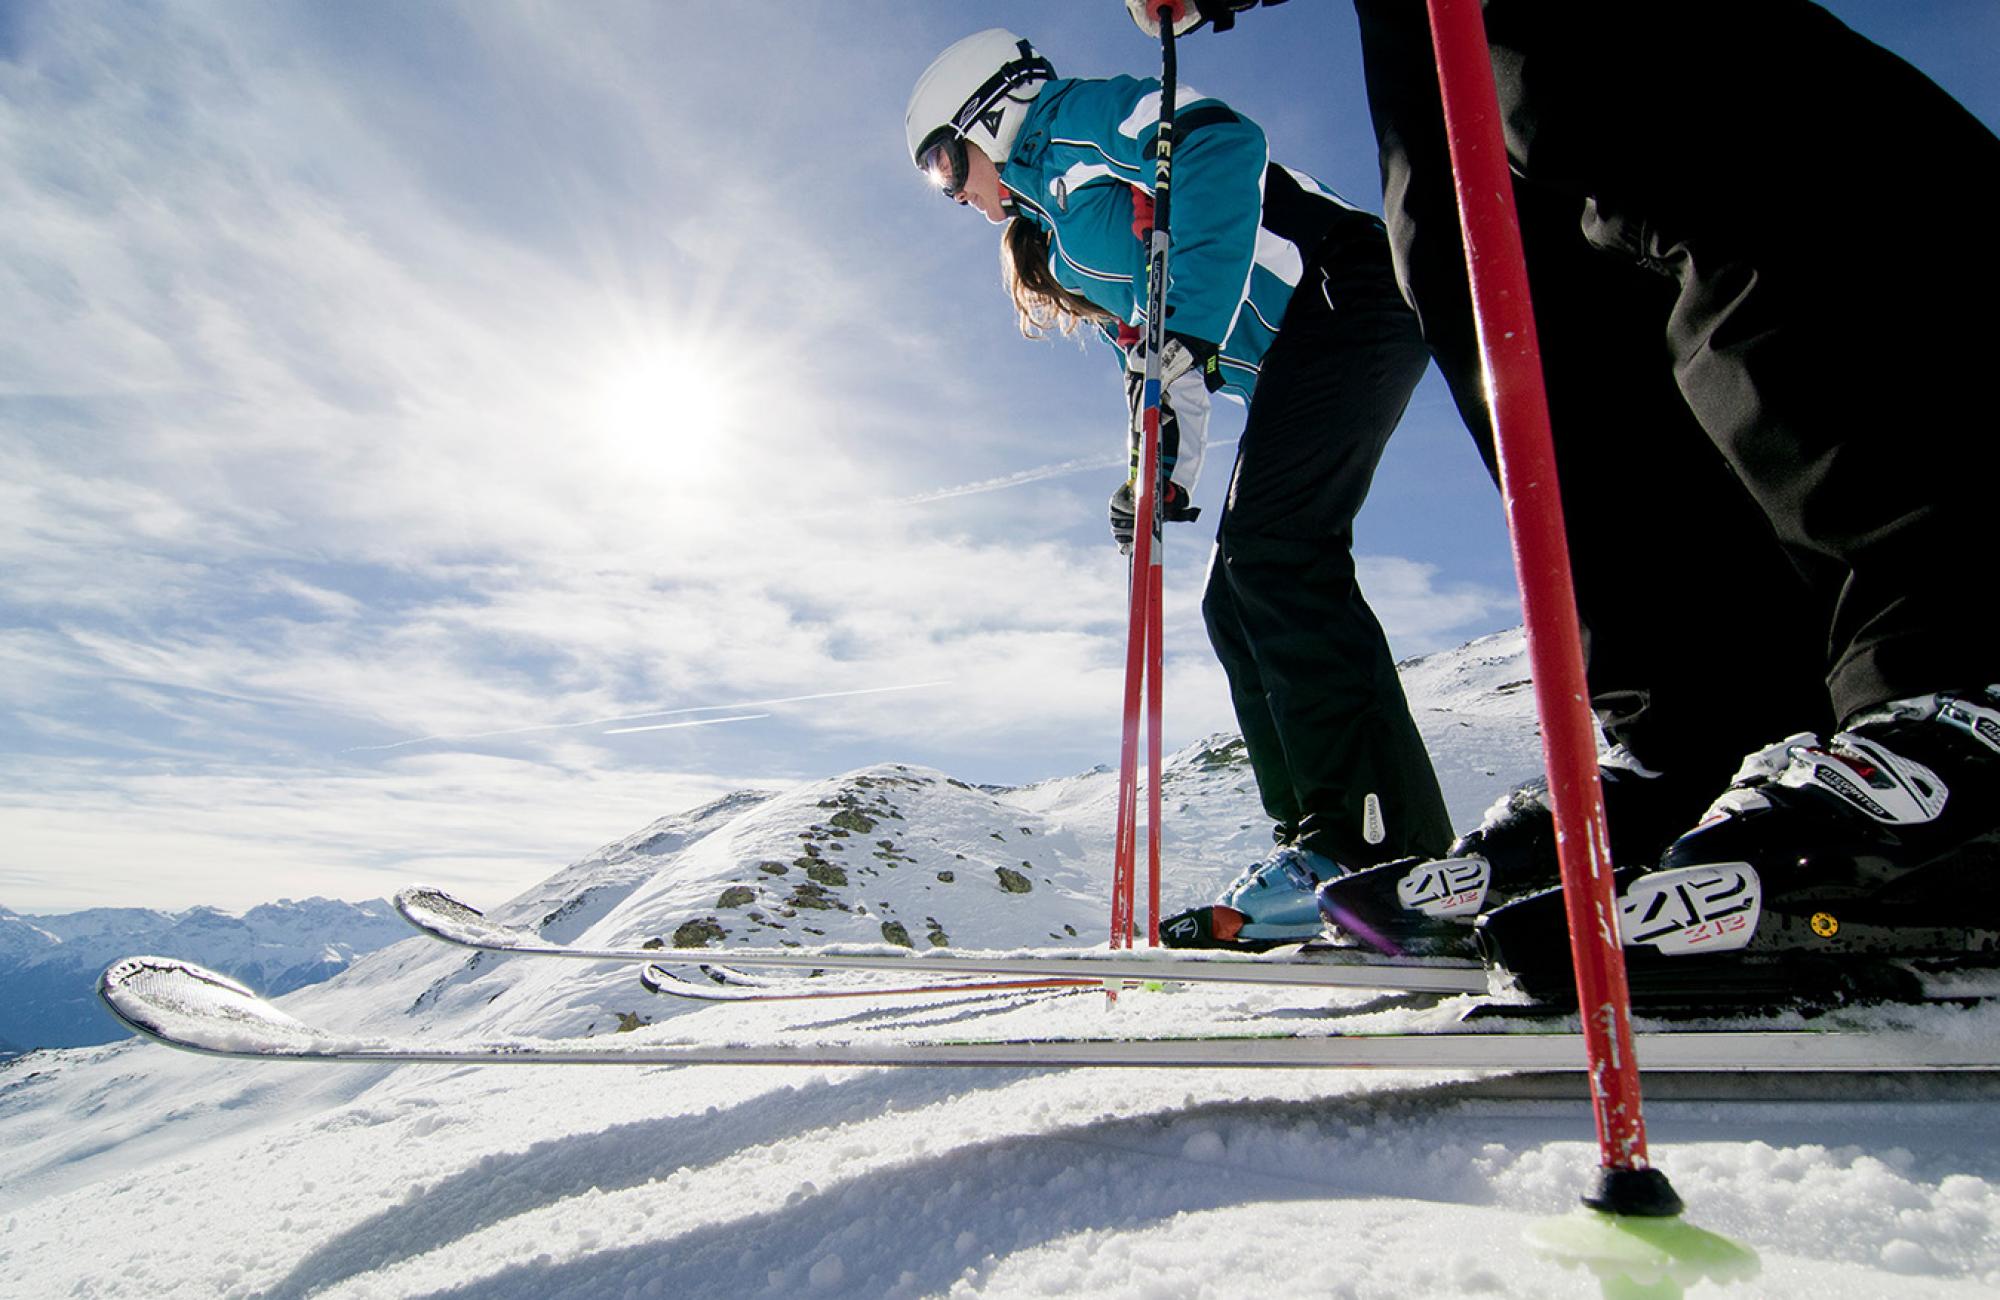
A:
<point x="1178" y="355"/>
<point x="1188" y="373"/>
<point x="1123" y="512"/>
<point x="1189" y="14"/>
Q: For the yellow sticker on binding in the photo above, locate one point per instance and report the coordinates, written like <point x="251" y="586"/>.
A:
<point x="1825" y="924"/>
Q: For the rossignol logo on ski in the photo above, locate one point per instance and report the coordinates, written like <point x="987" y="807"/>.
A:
<point x="1451" y="887"/>
<point x="1692" y="909"/>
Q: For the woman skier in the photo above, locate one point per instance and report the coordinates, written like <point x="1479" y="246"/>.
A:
<point x="1282" y="296"/>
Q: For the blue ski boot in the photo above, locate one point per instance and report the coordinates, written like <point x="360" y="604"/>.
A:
<point x="1271" y="904"/>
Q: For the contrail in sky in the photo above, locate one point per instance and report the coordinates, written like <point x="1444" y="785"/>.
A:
<point x="1022" y="477"/>
<point x="651" y="713"/>
<point x="671" y="726"/>
<point x="1008" y="480"/>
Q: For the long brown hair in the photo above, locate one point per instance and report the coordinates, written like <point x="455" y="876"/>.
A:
<point x="1042" y="306"/>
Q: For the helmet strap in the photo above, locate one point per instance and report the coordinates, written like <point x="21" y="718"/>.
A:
<point x="981" y="108"/>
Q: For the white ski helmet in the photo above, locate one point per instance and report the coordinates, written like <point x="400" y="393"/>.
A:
<point x="977" y="91"/>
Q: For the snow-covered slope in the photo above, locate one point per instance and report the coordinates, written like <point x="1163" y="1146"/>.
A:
<point x="49" y="964"/>
<point x="128" y="1170"/>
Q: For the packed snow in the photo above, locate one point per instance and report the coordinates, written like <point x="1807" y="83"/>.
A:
<point x="131" y="1170"/>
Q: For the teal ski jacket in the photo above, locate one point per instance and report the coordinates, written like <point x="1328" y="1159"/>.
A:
<point x="1243" y="227"/>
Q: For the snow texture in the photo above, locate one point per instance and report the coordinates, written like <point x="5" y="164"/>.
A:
<point x="130" y="1170"/>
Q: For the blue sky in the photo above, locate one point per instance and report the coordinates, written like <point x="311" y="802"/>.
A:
<point x="436" y="439"/>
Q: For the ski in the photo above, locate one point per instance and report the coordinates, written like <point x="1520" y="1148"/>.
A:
<point x="670" y="983"/>
<point x="441" y="916"/>
<point x="184" y="1006"/>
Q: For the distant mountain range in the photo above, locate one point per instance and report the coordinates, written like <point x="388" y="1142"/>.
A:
<point x="49" y="964"/>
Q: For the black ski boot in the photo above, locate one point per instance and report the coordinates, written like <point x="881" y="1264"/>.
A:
<point x="1821" y="875"/>
<point x="1422" y="907"/>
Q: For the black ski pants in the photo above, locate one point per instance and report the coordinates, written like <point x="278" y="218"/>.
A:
<point x="1753" y="240"/>
<point x="1338" y="760"/>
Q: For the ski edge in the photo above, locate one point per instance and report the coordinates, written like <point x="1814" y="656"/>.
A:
<point x="439" y="915"/>
<point x="663" y="980"/>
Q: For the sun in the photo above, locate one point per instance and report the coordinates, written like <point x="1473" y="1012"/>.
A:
<point x="667" y="412"/>
<point x="665" y="391"/>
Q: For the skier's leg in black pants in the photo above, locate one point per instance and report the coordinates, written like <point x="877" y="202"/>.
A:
<point x="1330" y="735"/>
<point x="1702" y="641"/>
<point x="1825" y="213"/>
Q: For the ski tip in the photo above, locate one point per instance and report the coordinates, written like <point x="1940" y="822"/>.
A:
<point x="198" y="1010"/>
<point x="130" y="977"/>
<point x="147" y="994"/>
<point x="420" y="903"/>
<point x="441" y="916"/>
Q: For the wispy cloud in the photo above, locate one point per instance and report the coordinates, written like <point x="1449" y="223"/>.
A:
<point x="1420" y="612"/>
<point x="655" y="713"/>
<point x="236" y="835"/>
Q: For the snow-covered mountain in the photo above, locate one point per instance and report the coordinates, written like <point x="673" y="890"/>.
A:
<point x="916" y="857"/>
<point x="128" y="1170"/>
<point x="49" y="964"/>
<point x="890" y="853"/>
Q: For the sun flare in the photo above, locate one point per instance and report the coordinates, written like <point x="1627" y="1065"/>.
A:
<point x="667" y="413"/>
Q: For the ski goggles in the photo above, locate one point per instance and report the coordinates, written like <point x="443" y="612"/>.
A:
<point x="947" y="165"/>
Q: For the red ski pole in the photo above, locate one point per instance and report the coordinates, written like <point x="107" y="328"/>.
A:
<point x="1142" y="673"/>
<point x="1155" y="668"/>
<point x="1144" y="655"/>
<point x="1497" y="267"/>
<point x="1125" y="844"/>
